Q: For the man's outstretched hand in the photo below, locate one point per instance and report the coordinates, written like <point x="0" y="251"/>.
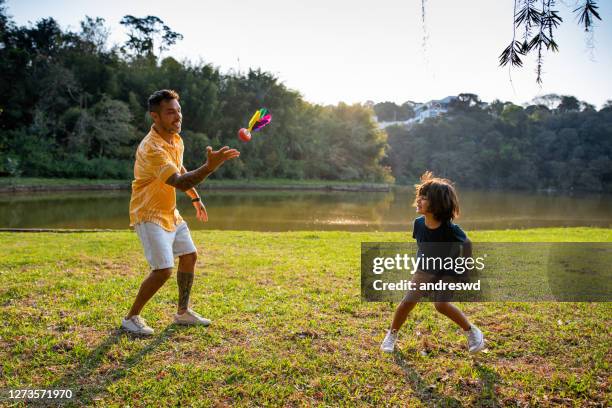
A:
<point x="215" y="158"/>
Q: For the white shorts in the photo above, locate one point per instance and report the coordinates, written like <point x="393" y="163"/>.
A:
<point x="161" y="246"/>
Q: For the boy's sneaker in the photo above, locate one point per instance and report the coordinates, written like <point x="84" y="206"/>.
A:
<point x="475" y="339"/>
<point x="388" y="344"/>
<point x="136" y="325"/>
<point x="191" y="317"/>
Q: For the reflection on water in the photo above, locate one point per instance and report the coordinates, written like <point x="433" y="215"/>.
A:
<point x="308" y="210"/>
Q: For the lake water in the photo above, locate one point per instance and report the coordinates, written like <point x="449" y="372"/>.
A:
<point x="308" y="210"/>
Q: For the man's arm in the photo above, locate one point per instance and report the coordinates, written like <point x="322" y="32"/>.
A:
<point x="188" y="180"/>
<point x="192" y="192"/>
<point x="214" y="160"/>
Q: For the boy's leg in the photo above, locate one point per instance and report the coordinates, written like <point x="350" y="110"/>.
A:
<point x="148" y="288"/>
<point x="410" y="300"/>
<point x="474" y="336"/>
<point x="401" y="314"/>
<point x="184" y="279"/>
<point x="453" y="313"/>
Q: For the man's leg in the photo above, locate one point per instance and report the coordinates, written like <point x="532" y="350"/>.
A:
<point x="148" y="288"/>
<point x="184" y="279"/>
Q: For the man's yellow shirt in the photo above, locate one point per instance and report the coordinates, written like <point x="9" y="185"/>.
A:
<point x="152" y="199"/>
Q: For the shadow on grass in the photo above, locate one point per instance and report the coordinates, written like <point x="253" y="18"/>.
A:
<point x="488" y="378"/>
<point x="425" y="392"/>
<point x="430" y="397"/>
<point x="86" y="383"/>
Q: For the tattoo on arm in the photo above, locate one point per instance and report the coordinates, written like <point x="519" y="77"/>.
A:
<point x="184" y="280"/>
<point x="189" y="179"/>
<point x="192" y="192"/>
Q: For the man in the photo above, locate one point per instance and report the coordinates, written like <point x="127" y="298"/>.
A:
<point x="158" y="172"/>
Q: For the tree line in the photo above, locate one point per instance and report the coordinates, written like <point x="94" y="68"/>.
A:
<point x="72" y="107"/>
<point x="556" y="143"/>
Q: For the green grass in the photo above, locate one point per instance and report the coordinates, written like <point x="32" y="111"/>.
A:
<point x="288" y="329"/>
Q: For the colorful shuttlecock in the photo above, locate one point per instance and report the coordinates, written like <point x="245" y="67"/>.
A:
<point x="259" y="119"/>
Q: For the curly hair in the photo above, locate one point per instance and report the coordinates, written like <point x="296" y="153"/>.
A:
<point x="441" y="194"/>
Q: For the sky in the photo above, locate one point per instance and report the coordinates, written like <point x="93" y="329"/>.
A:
<point x="354" y="50"/>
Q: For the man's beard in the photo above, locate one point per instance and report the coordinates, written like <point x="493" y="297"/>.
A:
<point x="172" y="128"/>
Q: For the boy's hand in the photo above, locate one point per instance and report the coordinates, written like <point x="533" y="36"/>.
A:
<point x="215" y="158"/>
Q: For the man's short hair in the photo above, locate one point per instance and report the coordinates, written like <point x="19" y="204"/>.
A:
<point x="162" y="95"/>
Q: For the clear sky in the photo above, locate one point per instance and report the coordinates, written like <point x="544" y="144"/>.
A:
<point x="355" y="50"/>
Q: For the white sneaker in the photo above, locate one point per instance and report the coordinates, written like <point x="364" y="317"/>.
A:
<point x="388" y="344"/>
<point x="190" y="317"/>
<point x="475" y="339"/>
<point x="136" y="325"/>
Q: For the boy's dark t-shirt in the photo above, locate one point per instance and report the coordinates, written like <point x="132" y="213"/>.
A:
<point x="444" y="241"/>
<point x="446" y="232"/>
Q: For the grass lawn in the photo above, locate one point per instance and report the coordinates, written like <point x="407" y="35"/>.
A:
<point x="288" y="329"/>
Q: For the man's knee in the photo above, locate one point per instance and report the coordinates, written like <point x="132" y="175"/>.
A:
<point x="163" y="273"/>
<point x="189" y="258"/>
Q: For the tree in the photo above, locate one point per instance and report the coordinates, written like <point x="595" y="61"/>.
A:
<point x="389" y="111"/>
<point x="465" y="102"/>
<point x="406" y="111"/>
<point x="587" y="107"/>
<point x="537" y="112"/>
<point x="145" y="32"/>
<point x="551" y="101"/>
<point x="607" y="107"/>
<point x="513" y="114"/>
<point x="569" y="104"/>
<point x="386" y="111"/>
<point x="94" y="33"/>
<point x="496" y="107"/>
<point x="4" y="20"/>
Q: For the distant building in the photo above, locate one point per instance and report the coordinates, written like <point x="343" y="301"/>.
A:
<point x="423" y="111"/>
